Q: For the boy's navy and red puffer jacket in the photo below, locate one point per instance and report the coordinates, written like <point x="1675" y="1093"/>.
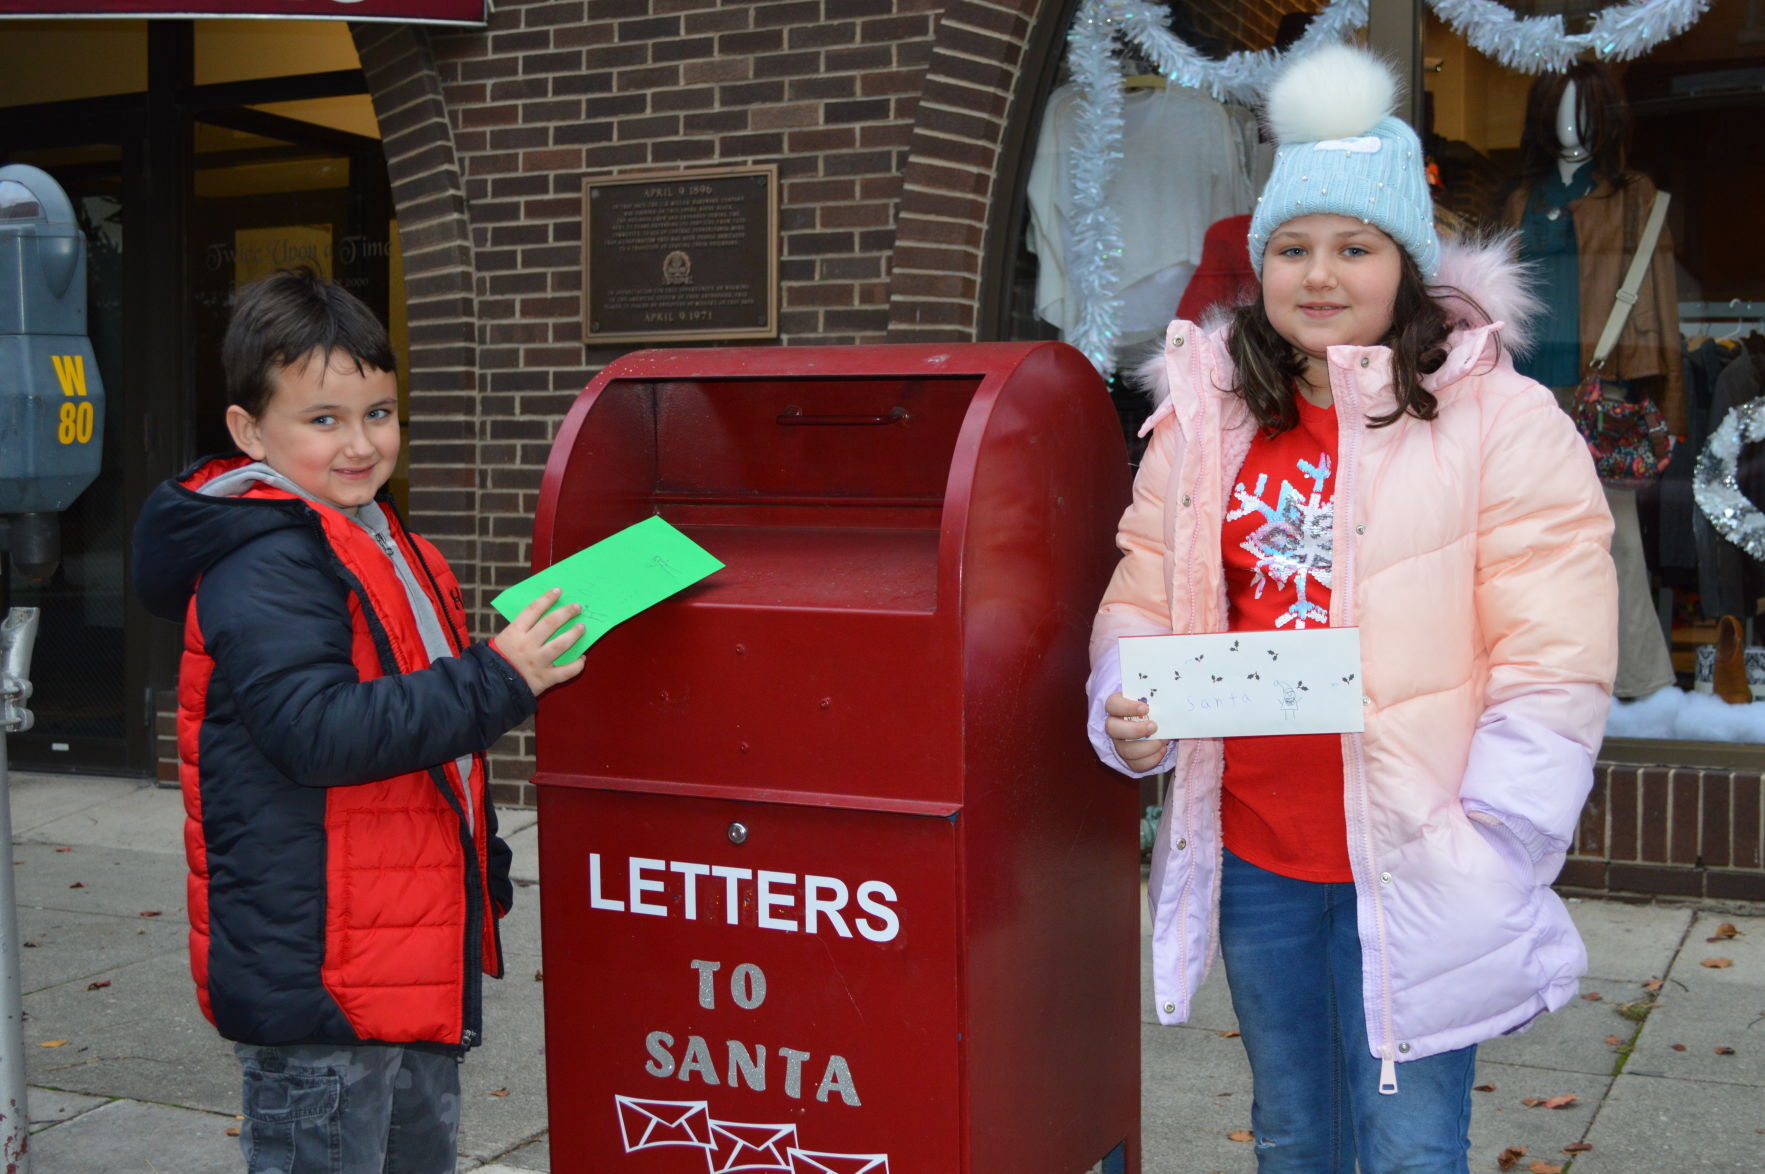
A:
<point x="344" y="884"/>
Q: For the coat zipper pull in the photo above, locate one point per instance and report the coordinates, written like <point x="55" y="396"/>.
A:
<point x="469" y="1038"/>
<point x="1387" y="1076"/>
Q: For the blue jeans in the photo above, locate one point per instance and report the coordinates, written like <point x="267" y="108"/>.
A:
<point x="1293" y="962"/>
<point x="349" y="1109"/>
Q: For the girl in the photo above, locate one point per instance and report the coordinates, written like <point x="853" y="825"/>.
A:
<point x="1355" y="449"/>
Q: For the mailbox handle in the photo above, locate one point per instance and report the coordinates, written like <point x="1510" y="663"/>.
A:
<point x="793" y="416"/>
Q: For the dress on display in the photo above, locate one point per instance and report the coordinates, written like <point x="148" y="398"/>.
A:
<point x="1183" y="167"/>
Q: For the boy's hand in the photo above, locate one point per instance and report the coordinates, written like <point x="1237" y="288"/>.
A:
<point x="1126" y="726"/>
<point x="533" y="640"/>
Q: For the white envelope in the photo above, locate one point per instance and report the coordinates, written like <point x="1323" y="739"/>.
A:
<point x="1233" y="684"/>
<point x="659" y="1123"/>
<point x="815" y="1162"/>
<point x="739" y="1145"/>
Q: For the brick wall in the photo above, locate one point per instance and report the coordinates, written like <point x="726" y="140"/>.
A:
<point x="886" y="119"/>
<point x="1671" y="832"/>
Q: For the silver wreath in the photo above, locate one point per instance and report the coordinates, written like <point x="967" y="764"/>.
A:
<point x="1715" y="484"/>
<point x="1539" y="44"/>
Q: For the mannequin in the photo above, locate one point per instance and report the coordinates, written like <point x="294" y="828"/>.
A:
<point x="1572" y="153"/>
<point x="1580" y="214"/>
<point x="1580" y="211"/>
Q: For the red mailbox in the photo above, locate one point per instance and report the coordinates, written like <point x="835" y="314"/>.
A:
<point x="831" y="881"/>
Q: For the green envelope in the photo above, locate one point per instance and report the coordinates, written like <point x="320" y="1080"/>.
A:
<point x="616" y="578"/>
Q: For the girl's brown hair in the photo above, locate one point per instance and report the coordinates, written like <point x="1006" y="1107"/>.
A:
<point x="1268" y="366"/>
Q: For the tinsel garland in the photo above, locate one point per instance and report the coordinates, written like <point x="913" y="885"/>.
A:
<point x="1095" y="264"/>
<point x="1539" y="44"/>
<point x="1715" y="481"/>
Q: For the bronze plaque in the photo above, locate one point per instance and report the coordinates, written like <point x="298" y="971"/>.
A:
<point x="680" y="255"/>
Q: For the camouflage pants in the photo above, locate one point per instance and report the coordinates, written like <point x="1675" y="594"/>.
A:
<point x="352" y="1109"/>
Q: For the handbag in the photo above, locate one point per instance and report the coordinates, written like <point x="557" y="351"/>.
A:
<point x="1629" y="440"/>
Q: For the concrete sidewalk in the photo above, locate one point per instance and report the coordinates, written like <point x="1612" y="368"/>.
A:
<point x="128" y="1078"/>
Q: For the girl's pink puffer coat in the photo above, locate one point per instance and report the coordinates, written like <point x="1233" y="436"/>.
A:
<point x="1471" y="550"/>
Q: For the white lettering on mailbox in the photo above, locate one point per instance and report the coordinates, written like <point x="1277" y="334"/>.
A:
<point x="669" y="888"/>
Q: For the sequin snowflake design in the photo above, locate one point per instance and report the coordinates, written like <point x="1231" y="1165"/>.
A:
<point x="1292" y="546"/>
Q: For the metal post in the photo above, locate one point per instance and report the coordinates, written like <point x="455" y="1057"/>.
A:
<point x="18" y="634"/>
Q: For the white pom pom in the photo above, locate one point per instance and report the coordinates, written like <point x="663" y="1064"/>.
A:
<point x="1337" y="92"/>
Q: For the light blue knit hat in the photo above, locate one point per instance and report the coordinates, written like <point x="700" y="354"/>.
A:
<point x="1341" y="150"/>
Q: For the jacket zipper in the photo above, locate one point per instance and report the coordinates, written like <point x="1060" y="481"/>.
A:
<point x="1348" y="478"/>
<point x="1190" y="801"/>
<point x="475" y="906"/>
<point x="391" y="551"/>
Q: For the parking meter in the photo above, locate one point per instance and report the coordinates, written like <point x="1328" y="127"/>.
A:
<point x="51" y="396"/>
<point x="51" y="436"/>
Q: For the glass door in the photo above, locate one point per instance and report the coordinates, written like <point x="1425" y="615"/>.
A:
<point x="86" y="714"/>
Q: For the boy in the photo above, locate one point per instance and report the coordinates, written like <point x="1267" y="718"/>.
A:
<point x="345" y="871"/>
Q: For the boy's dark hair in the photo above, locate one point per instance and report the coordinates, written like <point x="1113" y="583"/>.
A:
<point x="284" y="318"/>
<point x="1268" y="365"/>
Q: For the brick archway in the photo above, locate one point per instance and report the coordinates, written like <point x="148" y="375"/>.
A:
<point x="435" y="239"/>
<point x="985" y="63"/>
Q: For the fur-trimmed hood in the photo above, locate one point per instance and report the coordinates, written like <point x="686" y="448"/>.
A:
<point x="1482" y="284"/>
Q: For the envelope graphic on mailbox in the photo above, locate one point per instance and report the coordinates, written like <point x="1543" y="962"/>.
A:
<point x="815" y="1162"/>
<point x="645" y="1125"/>
<point x="738" y="1145"/>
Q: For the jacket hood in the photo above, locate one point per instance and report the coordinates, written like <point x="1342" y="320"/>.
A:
<point x="1485" y="289"/>
<point x="182" y="532"/>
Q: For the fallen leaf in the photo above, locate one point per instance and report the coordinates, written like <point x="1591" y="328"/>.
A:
<point x="1717" y="963"/>
<point x="1562" y="1102"/>
<point x="1593" y="996"/>
<point x="70" y="850"/>
<point x="1227" y="1034"/>
<point x="1485" y="1088"/>
<point x="499" y="1092"/>
<point x="232" y="1131"/>
<point x="1725" y="1051"/>
<point x="77" y="885"/>
<point x="1724" y="932"/>
<point x="53" y="1043"/>
<point x="1542" y="1167"/>
<point x="29" y="945"/>
<point x="148" y="913"/>
<point x="1613" y="1040"/>
<point x="1240" y="1135"/>
<point x="99" y="985"/>
<point x="1677" y="1047"/>
<point x="539" y="976"/>
<point x="1653" y="985"/>
<point x="1509" y="1156"/>
<point x="1578" y="1147"/>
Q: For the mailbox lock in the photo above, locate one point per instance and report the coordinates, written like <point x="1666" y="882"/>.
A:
<point x="738" y="833"/>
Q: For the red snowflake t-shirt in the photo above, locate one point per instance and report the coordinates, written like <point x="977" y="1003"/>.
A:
<point x="1282" y="806"/>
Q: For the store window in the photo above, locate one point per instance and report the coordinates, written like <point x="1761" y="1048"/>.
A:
<point x="1191" y="167"/>
<point x="1570" y="161"/>
<point x="198" y="156"/>
<point x="1573" y="161"/>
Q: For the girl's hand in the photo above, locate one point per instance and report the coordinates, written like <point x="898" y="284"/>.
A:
<point x="1127" y="726"/>
<point x="533" y="640"/>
